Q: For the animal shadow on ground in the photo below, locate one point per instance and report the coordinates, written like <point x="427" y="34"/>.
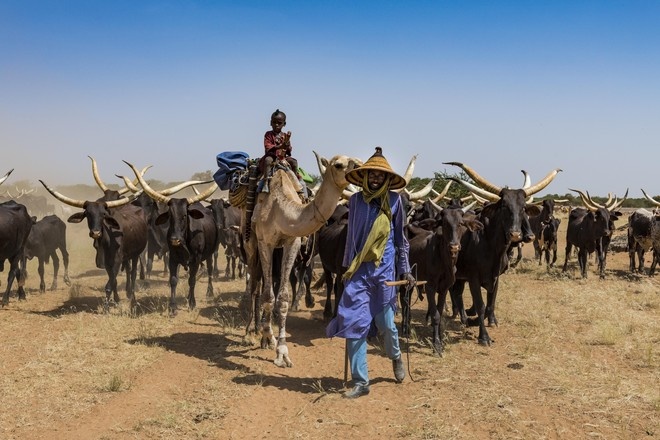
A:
<point x="205" y="346"/>
<point x="320" y="385"/>
<point x="86" y="304"/>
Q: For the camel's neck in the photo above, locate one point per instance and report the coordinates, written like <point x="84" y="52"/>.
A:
<point x="300" y="220"/>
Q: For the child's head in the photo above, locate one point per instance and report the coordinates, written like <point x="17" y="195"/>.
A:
<point x="277" y="120"/>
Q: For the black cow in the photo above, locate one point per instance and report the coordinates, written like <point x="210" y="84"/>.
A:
<point x="643" y="228"/>
<point x="119" y="231"/>
<point x="192" y="237"/>
<point x="483" y="255"/>
<point x="15" y="225"/>
<point x="228" y="221"/>
<point x="332" y="243"/>
<point x="434" y="254"/>
<point x="46" y="237"/>
<point x="589" y="230"/>
<point x="547" y="241"/>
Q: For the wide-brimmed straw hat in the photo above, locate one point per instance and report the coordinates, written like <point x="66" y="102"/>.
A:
<point x="376" y="162"/>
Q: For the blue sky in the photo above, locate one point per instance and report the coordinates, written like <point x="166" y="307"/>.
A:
<point x="501" y="86"/>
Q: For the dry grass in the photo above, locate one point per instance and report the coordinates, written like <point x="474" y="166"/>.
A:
<point x="573" y="358"/>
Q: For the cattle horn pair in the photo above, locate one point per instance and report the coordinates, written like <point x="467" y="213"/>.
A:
<point x="168" y="191"/>
<point x="103" y="186"/>
<point x="81" y="203"/>
<point x="593" y="206"/>
<point x="158" y="196"/>
<point x="490" y="191"/>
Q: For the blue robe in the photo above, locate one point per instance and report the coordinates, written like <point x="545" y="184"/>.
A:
<point x="365" y="294"/>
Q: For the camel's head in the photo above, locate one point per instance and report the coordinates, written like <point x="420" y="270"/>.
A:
<point x="336" y="169"/>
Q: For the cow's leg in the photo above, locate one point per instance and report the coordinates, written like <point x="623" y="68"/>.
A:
<point x="307" y="281"/>
<point x="216" y="272"/>
<point x="537" y="249"/>
<point x="583" y="260"/>
<point x="65" y="261"/>
<point x="267" y="297"/>
<point x="21" y="276"/>
<point x="569" y="246"/>
<point x="228" y="269"/>
<point x="443" y="289"/>
<point x="640" y="258"/>
<point x="209" y="273"/>
<point x="656" y="258"/>
<point x="329" y="288"/>
<point x="174" y="280"/>
<point x="40" y="270"/>
<point x="192" y="279"/>
<point x="436" y="316"/>
<point x="133" y="277"/>
<point x="56" y="269"/>
<point x="11" y="275"/>
<point x="477" y="299"/>
<point x="490" y="305"/>
<point x="554" y="254"/>
<point x="288" y="259"/>
<point x="458" y="308"/>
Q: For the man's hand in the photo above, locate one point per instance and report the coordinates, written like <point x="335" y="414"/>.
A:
<point x="410" y="278"/>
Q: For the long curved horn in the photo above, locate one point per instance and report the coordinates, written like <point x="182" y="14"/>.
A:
<point x="417" y="195"/>
<point x="437" y="207"/>
<point x="441" y="195"/>
<point x="180" y="186"/>
<point x="479" y="200"/>
<point x="6" y="175"/>
<point x="528" y="180"/>
<point x="103" y="186"/>
<point x="196" y="198"/>
<point x="616" y="205"/>
<point x="650" y="199"/>
<point x="149" y="190"/>
<point x="480" y="181"/>
<point x="477" y="190"/>
<point x="542" y="183"/>
<point x="598" y="205"/>
<point x="62" y="198"/>
<point x="468" y="207"/>
<point x="585" y="200"/>
<point x="409" y="171"/>
<point x="97" y="176"/>
<point x="127" y="182"/>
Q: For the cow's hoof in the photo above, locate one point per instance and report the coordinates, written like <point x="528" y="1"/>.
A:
<point x="309" y="302"/>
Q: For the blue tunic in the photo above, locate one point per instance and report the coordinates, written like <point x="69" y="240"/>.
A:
<point x="365" y="294"/>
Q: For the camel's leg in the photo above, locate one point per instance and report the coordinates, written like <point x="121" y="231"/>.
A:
<point x="267" y="295"/>
<point x="288" y="260"/>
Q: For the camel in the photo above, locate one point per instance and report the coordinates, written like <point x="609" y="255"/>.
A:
<point x="279" y="220"/>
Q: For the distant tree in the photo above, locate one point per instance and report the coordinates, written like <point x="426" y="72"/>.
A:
<point x="203" y="175"/>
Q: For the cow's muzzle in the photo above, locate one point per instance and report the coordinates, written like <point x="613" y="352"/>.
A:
<point x="95" y="234"/>
<point x="175" y="242"/>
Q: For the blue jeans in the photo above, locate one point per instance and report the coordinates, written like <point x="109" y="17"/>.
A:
<point x="357" y="348"/>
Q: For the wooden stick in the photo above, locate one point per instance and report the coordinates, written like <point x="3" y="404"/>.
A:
<point x="346" y="362"/>
<point x="403" y="283"/>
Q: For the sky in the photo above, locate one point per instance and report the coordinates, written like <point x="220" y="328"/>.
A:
<point x="498" y="85"/>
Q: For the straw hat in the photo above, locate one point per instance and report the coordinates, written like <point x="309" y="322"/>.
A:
<point x="376" y="162"/>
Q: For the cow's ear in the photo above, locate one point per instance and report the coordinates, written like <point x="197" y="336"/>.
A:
<point x="195" y="213"/>
<point x="77" y="217"/>
<point x="474" y="224"/>
<point x="111" y="222"/>
<point x="162" y="218"/>
<point x="532" y="210"/>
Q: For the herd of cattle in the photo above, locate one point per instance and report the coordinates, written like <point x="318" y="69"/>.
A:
<point x="449" y="246"/>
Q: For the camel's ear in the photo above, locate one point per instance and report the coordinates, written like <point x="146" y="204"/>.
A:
<point x="325" y="162"/>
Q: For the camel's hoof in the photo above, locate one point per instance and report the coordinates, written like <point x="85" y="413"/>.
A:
<point x="268" y="342"/>
<point x="283" y="360"/>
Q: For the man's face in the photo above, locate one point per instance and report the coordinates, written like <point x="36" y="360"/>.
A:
<point x="376" y="179"/>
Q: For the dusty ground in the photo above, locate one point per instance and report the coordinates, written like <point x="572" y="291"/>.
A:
<point x="573" y="358"/>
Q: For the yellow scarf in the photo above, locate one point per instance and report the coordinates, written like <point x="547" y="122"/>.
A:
<point x="374" y="246"/>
